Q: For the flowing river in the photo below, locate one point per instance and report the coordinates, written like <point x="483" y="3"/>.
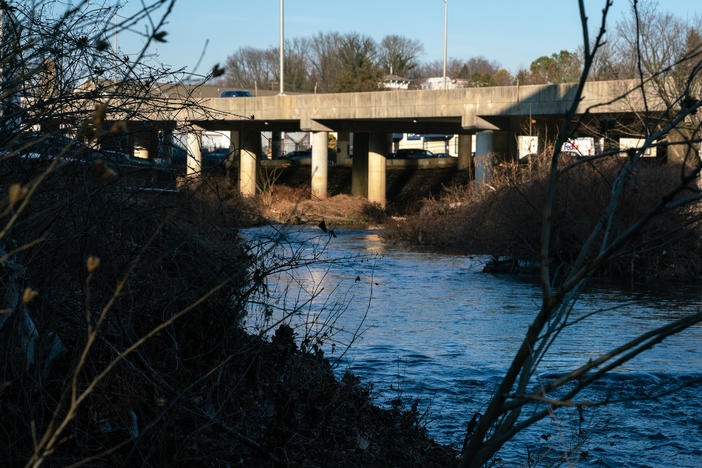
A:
<point x="432" y="328"/>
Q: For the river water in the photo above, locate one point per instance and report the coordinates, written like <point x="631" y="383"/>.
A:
<point x="432" y="328"/>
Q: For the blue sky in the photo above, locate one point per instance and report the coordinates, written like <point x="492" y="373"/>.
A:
<point x="512" y="32"/>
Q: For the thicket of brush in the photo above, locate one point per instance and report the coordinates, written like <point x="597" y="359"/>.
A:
<point x="504" y="217"/>
<point x="201" y="391"/>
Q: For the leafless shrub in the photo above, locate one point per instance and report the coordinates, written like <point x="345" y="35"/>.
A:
<point x="502" y="218"/>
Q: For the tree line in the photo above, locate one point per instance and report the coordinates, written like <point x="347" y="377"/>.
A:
<point x="335" y="62"/>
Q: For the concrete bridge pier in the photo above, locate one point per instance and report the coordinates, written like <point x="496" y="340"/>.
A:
<point x="141" y="146"/>
<point x="378" y="145"/>
<point x="249" y="153"/>
<point x="465" y="153"/>
<point x="233" y="157"/>
<point x="491" y="145"/>
<point x="276" y="145"/>
<point x="165" y="143"/>
<point x="320" y="164"/>
<point x="144" y="140"/>
<point x="193" y="161"/>
<point x="343" y="141"/>
<point x="484" y="155"/>
<point x="359" y="168"/>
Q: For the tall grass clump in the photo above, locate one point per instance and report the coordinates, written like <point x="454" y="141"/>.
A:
<point x="503" y="217"/>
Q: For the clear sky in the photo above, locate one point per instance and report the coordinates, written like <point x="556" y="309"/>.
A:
<point x="511" y="32"/>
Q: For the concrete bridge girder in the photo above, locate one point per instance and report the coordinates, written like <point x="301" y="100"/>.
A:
<point x="495" y="114"/>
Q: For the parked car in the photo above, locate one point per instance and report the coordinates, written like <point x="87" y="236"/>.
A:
<point x="35" y="145"/>
<point x="306" y="155"/>
<point x="235" y="93"/>
<point x="210" y="158"/>
<point x="412" y="153"/>
<point x="216" y="157"/>
<point x="298" y="155"/>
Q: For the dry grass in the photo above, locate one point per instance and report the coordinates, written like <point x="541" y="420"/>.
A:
<point x="294" y="206"/>
<point x="504" y="218"/>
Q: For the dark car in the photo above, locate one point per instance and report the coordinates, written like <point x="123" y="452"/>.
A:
<point x="36" y="145"/>
<point x="36" y="149"/>
<point x="306" y="155"/>
<point x="413" y="153"/>
<point x="236" y="93"/>
<point x="298" y="155"/>
<point x="216" y="157"/>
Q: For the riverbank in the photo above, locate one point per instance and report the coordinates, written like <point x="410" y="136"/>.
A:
<point x="503" y="219"/>
<point x="139" y="297"/>
<point x="441" y="209"/>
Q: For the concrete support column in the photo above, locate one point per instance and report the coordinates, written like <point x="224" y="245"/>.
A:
<point x="145" y="141"/>
<point x="249" y="150"/>
<point x="165" y="144"/>
<point x="465" y="153"/>
<point x="512" y="140"/>
<point x="343" y="141"/>
<point x="193" y="161"/>
<point x="378" y="146"/>
<point x="359" y="170"/>
<point x="276" y="145"/>
<point x="320" y="164"/>
<point x="232" y="163"/>
<point x="484" y="155"/>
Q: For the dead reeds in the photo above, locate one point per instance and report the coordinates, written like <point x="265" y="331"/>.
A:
<point x="503" y="217"/>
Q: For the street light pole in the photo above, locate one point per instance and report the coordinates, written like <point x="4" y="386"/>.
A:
<point x="281" y="49"/>
<point x="114" y="59"/>
<point x="445" y="24"/>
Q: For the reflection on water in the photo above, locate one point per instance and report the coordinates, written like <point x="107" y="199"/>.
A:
<point x="440" y="331"/>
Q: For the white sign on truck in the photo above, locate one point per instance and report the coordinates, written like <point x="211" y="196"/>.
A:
<point x="583" y="146"/>
<point x="627" y="143"/>
<point x="528" y="145"/>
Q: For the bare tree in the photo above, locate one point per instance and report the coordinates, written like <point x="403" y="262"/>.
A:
<point x="298" y="65"/>
<point x="435" y="68"/>
<point x="326" y="60"/>
<point x="249" y="67"/>
<point x="521" y="398"/>
<point x="399" y="55"/>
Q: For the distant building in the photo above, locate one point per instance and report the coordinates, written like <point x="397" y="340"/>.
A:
<point x="438" y="83"/>
<point x="395" y="82"/>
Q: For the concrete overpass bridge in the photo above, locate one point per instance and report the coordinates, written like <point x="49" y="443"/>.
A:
<point x="494" y="114"/>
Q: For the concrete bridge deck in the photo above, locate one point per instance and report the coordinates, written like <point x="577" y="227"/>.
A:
<point x="495" y="114"/>
<point x="450" y="111"/>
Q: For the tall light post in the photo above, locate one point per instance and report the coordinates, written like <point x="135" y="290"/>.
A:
<point x="114" y="58"/>
<point x="114" y="50"/>
<point x="281" y="49"/>
<point x="445" y="24"/>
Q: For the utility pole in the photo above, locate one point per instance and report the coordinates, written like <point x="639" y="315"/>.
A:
<point x="9" y="49"/>
<point x="281" y="49"/>
<point x="445" y="24"/>
<point x="114" y="58"/>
